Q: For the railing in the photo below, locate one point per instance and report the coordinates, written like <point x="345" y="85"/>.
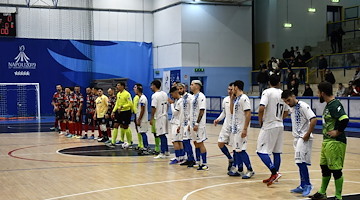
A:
<point x="351" y="106"/>
<point x="351" y="27"/>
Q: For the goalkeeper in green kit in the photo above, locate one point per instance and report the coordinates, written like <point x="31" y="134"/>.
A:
<point x="333" y="147"/>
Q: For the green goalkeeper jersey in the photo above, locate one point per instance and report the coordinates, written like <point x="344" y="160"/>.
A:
<point x="333" y="111"/>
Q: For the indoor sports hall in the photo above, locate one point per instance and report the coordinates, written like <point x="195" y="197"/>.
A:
<point x="66" y="64"/>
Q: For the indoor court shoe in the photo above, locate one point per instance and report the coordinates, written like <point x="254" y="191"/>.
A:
<point x="307" y="190"/>
<point x="167" y="153"/>
<point x="248" y="175"/>
<point x="119" y="143"/>
<point x="77" y="136"/>
<point x="299" y="189"/>
<point x="233" y="173"/>
<point x="185" y="163"/>
<point x="160" y="156"/>
<point x="91" y="137"/>
<point x="273" y="179"/>
<point x="231" y="162"/>
<point x="318" y="196"/>
<point x="69" y="136"/>
<point x="84" y="137"/>
<point x="111" y="145"/>
<point x="103" y="140"/>
<point x="191" y="164"/>
<point x="174" y="158"/>
<point x="174" y="162"/>
<point x="203" y="167"/>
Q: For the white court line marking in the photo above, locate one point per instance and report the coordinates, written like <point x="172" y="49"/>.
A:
<point x="170" y="181"/>
<point x="242" y="182"/>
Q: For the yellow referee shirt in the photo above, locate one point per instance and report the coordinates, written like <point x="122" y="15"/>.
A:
<point x="123" y="101"/>
<point x="101" y="106"/>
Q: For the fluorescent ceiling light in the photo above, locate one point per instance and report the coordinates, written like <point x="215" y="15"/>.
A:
<point x="312" y="10"/>
<point x="287" y="25"/>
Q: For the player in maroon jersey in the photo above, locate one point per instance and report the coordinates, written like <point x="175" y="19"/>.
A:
<point x="58" y="101"/>
<point x="110" y="121"/>
<point x="90" y="110"/>
<point x="70" y="98"/>
<point x="77" y="109"/>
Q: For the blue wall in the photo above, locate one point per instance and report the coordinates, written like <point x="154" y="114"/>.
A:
<point x="217" y="78"/>
<point x="73" y="62"/>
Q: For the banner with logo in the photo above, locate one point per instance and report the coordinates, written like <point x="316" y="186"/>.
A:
<point x="72" y="62"/>
<point x="165" y="85"/>
<point x="174" y="76"/>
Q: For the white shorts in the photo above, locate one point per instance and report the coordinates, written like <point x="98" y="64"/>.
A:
<point x="303" y="150"/>
<point x="143" y="128"/>
<point x="161" y="126"/>
<point x="175" y="136"/>
<point x="239" y="144"/>
<point x="270" y="140"/>
<point x="225" y="136"/>
<point x="198" y="136"/>
<point x="185" y="132"/>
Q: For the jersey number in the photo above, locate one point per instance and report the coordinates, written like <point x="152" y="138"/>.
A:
<point x="279" y="110"/>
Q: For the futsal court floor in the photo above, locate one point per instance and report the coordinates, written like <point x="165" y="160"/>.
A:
<point x="32" y="167"/>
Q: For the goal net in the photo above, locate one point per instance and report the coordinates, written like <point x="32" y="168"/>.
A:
<point x="19" y="101"/>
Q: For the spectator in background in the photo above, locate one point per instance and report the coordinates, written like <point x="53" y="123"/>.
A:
<point x="306" y="55"/>
<point x="291" y="62"/>
<point x="297" y="52"/>
<point x="301" y="63"/>
<point x="357" y="74"/>
<point x="341" y="90"/>
<point x="282" y="64"/>
<point x="289" y="77"/>
<point x="329" y="76"/>
<point x="333" y="40"/>
<point x="340" y="33"/>
<point x="294" y="85"/>
<point x="322" y="66"/>
<point x="262" y="65"/>
<point x="356" y="88"/>
<point x="308" y="91"/>
<point x="349" y="89"/>
<point x="292" y="52"/>
<point x="286" y="55"/>
<point x="262" y="79"/>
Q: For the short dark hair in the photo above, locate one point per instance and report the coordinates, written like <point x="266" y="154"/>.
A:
<point x="239" y="84"/>
<point x="231" y="84"/>
<point x="286" y="94"/>
<point x="340" y="84"/>
<point x="139" y="87"/>
<point x="76" y="86"/>
<point x="157" y="83"/>
<point x="122" y="83"/>
<point x="99" y="89"/>
<point x="326" y="87"/>
<point x="173" y="89"/>
<point x="274" y="79"/>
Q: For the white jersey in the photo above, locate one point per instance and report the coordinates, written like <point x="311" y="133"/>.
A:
<point x="225" y="114"/>
<point x="301" y="114"/>
<point x="186" y="99"/>
<point x="274" y="108"/>
<point x="176" y="110"/>
<point x="142" y="102"/>
<point x="198" y="102"/>
<point x="241" y="104"/>
<point x="159" y="100"/>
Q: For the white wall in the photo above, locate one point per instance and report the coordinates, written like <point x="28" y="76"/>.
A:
<point x="167" y="33"/>
<point x="224" y="34"/>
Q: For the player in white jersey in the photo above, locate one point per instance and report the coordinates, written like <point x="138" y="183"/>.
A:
<point x="184" y="120"/>
<point x="197" y="123"/>
<point x="303" y="122"/>
<point x="225" y="133"/>
<point x="241" y="115"/>
<point x="141" y="119"/>
<point x="159" y="117"/>
<point x="272" y="111"/>
<point x="175" y="124"/>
